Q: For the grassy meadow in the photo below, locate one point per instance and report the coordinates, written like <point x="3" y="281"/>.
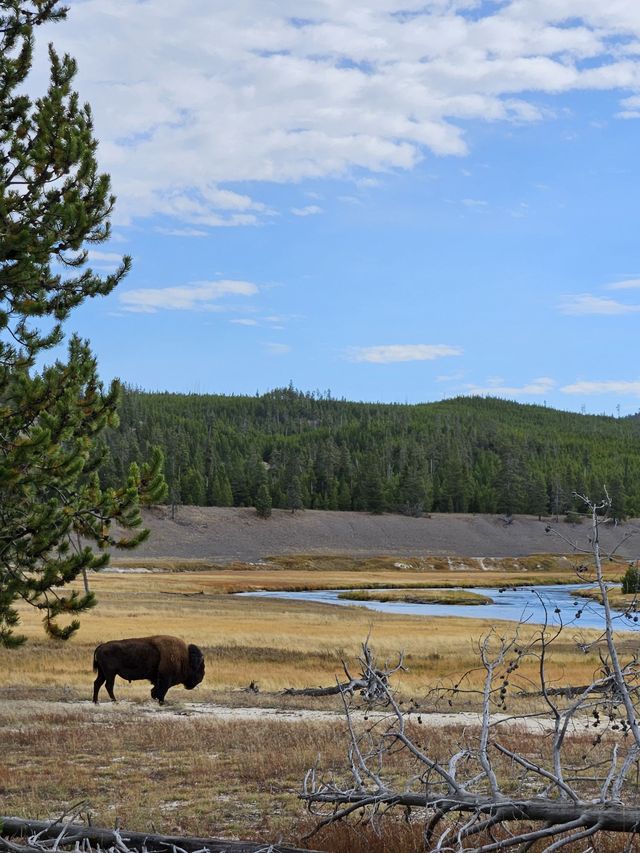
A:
<point x="174" y="770"/>
<point x="277" y="644"/>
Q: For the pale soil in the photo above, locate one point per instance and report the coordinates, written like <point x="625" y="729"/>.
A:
<point x="25" y="709"/>
<point x="225" y="534"/>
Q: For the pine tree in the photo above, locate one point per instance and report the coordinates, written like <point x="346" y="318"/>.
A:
<point x="263" y="501"/>
<point x="223" y="491"/>
<point x="618" y="510"/>
<point x="510" y="484"/>
<point x="294" y="494"/>
<point x="411" y="492"/>
<point x="344" y="496"/>
<point x="537" y="497"/>
<point x="55" y="520"/>
<point x="193" y="487"/>
<point x="371" y="487"/>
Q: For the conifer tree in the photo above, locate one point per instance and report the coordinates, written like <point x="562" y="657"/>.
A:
<point x="371" y="487"/>
<point x="294" y="494"/>
<point x="263" y="501"/>
<point x="618" y="508"/>
<point x="55" y="520"/>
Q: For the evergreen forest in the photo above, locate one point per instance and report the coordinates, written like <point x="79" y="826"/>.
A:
<point x="298" y="450"/>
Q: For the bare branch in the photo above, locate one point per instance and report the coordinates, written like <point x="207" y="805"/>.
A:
<point x="488" y="794"/>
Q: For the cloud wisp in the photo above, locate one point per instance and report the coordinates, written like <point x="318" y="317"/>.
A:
<point x="309" y="210"/>
<point x="277" y="349"/>
<point x="497" y="387"/>
<point x="584" y="304"/>
<point x="604" y="386"/>
<point x="200" y="296"/>
<point x="393" y="353"/>
<point x="626" y="284"/>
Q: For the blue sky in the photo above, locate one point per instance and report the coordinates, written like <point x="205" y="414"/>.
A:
<point x="394" y="201"/>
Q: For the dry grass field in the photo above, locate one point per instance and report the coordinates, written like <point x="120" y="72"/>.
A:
<point x="277" y="644"/>
<point x="166" y="771"/>
<point x="174" y="770"/>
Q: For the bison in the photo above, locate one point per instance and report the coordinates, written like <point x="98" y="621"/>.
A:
<point x="163" y="660"/>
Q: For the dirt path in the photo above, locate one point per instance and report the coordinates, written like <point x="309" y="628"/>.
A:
<point x="24" y="709"/>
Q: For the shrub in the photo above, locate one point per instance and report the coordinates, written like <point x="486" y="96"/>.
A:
<point x="573" y="517"/>
<point x="631" y="579"/>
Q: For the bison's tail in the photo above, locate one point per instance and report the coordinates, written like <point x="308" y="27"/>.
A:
<point x="95" y="661"/>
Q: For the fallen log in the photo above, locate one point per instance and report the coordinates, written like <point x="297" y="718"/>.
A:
<point x="333" y="690"/>
<point x="569" y="691"/>
<point x="14" y="827"/>
<point x="371" y="683"/>
<point x="606" y="816"/>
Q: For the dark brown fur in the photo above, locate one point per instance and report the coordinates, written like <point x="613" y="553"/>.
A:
<point x="162" y="660"/>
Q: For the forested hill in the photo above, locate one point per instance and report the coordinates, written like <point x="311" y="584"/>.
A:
<point x="468" y="454"/>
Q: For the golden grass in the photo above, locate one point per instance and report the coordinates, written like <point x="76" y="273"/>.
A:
<point x="275" y="643"/>
<point x="149" y="768"/>
<point x="280" y="572"/>
<point x="419" y="596"/>
<point x="627" y="602"/>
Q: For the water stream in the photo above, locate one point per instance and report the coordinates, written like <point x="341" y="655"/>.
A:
<point x="521" y="604"/>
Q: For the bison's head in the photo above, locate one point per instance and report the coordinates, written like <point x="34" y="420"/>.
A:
<point x="196" y="667"/>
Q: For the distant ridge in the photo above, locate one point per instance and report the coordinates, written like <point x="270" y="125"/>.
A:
<point x="467" y="454"/>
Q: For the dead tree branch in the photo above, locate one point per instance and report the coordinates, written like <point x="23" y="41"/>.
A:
<point x="369" y="685"/>
<point x="497" y="790"/>
<point x="56" y="837"/>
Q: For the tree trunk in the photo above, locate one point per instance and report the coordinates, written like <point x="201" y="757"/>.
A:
<point x="11" y="827"/>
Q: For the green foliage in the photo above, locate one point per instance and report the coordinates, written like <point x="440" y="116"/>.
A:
<point x="55" y="519"/>
<point x="617" y="493"/>
<point x="631" y="580"/>
<point x="469" y="454"/>
<point x="263" y="502"/>
<point x="294" y="494"/>
<point x="573" y="517"/>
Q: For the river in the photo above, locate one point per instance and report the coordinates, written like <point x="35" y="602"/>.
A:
<point x="519" y="604"/>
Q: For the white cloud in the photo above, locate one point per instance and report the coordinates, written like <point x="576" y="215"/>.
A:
<point x="631" y="107"/>
<point x="584" y="304"/>
<point x="183" y="232"/>
<point x="189" y="96"/>
<point x="495" y="386"/>
<point x="627" y="284"/>
<point x="104" y="257"/>
<point x="279" y="319"/>
<point x="309" y="210"/>
<point x="390" y="353"/>
<point x="200" y="295"/>
<point x="474" y="202"/>
<point x="277" y="349"/>
<point x="606" y="386"/>
<point x="272" y="322"/>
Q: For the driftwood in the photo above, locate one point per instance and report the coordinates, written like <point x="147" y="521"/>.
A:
<point x="371" y="684"/>
<point x="72" y="835"/>
<point x="345" y="687"/>
<point x="569" y="691"/>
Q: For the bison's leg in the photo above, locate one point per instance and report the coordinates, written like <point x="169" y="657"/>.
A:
<point x="97" y="684"/>
<point x="160" y="688"/>
<point x="109" y="685"/>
